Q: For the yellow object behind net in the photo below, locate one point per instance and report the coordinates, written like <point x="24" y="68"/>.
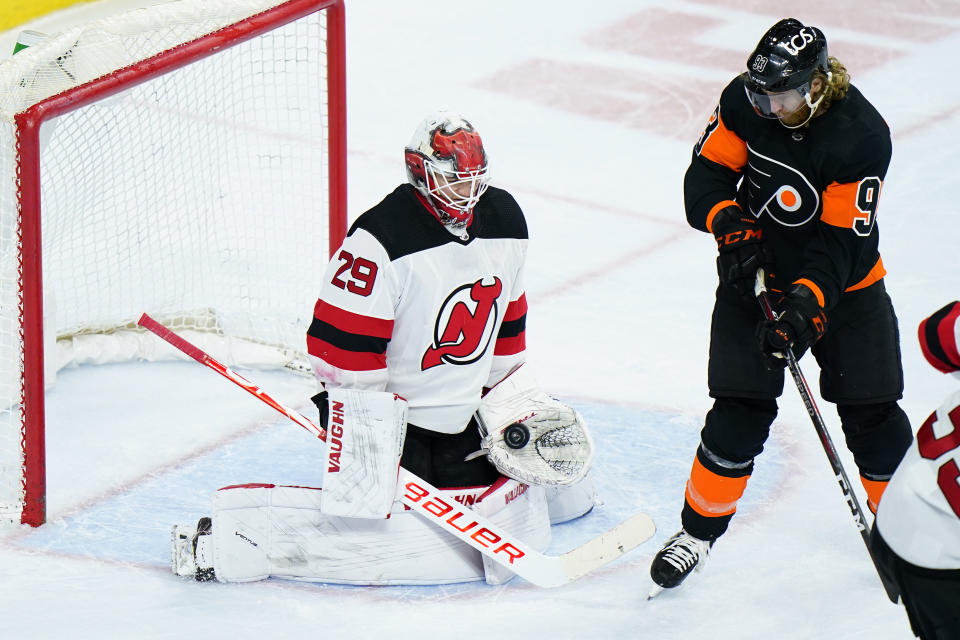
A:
<point x="17" y="12"/>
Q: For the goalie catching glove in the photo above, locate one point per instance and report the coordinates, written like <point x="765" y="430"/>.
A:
<point x="531" y="437"/>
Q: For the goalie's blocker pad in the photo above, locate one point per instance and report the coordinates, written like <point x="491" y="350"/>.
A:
<point x="365" y="434"/>
<point x="531" y="437"/>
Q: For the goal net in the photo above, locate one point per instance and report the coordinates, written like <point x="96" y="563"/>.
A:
<point x="186" y="160"/>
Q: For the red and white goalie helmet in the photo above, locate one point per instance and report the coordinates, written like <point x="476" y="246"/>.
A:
<point x="447" y="164"/>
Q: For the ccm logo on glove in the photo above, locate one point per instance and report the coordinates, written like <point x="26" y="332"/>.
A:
<point x="741" y="250"/>
<point x="740" y="235"/>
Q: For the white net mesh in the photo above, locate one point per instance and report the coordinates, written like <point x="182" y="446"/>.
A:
<point x="199" y="197"/>
<point x="11" y="451"/>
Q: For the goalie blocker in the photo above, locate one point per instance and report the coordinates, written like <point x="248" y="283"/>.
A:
<point x="352" y="531"/>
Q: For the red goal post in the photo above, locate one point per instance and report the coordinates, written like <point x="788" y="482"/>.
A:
<point x="186" y="160"/>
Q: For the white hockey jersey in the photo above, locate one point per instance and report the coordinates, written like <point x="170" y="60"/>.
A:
<point x="919" y="514"/>
<point x="408" y="307"/>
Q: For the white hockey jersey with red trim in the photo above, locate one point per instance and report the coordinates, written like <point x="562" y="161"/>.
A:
<point x="919" y="514"/>
<point x="410" y="308"/>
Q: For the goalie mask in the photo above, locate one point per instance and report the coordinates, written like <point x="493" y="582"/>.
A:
<point x="446" y="163"/>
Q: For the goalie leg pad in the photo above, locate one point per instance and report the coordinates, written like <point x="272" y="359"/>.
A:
<point x="522" y="511"/>
<point x="261" y="531"/>
<point x="570" y="502"/>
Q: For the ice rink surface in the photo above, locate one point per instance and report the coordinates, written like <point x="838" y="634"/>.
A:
<point x="588" y="114"/>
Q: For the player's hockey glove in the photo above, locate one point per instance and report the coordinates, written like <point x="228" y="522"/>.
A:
<point x="742" y="250"/>
<point x="800" y="322"/>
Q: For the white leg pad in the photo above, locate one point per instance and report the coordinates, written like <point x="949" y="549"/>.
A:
<point x="521" y="510"/>
<point x="265" y="530"/>
<point x="570" y="502"/>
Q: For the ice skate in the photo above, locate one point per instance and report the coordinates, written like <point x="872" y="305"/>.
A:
<point x="181" y="550"/>
<point x="680" y="555"/>
<point x="192" y="552"/>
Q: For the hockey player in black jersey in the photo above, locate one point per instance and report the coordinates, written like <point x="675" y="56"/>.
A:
<point x="787" y="177"/>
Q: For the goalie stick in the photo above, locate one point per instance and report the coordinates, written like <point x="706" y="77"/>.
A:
<point x="760" y="289"/>
<point x="459" y="521"/>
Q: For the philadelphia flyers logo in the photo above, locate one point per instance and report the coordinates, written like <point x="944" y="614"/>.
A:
<point x="780" y="191"/>
<point x="464" y="326"/>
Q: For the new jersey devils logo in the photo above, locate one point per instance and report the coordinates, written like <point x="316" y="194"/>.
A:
<point x="780" y="191"/>
<point x="464" y="325"/>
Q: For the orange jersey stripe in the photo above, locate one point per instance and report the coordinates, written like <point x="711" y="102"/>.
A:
<point x="876" y="274"/>
<point x="723" y="146"/>
<point x="713" y="495"/>
<point x="723" y="204"/>
<point x="810" y="284"/>
<point x="840" y="204"/>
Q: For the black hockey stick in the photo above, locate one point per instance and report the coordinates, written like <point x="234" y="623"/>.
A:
<point x="760" y="290"/>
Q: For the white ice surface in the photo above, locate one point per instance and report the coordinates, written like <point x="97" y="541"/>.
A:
<point x="588" y="112"/>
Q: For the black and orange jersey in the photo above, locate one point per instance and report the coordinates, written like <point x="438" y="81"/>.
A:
<point x="814" y="191"/>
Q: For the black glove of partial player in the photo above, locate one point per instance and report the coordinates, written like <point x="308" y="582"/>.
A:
<point x="800" y="322"/>
<point x="742" y="250"/>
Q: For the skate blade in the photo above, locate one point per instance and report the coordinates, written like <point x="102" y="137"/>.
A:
<point x="181" y="563"/>
<point x="173" y="549"/>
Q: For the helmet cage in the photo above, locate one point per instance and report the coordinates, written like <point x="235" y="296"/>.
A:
<point x="447" y="164"/>
<point x="445" y="188"/>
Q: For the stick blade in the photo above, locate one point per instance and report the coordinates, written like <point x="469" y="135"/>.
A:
<point x="608" y="547"/>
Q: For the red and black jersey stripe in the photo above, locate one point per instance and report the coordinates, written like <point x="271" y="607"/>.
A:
<point x="938" y="338"/>
<point x="348" y="340"/>
<point x="513" y="331"/>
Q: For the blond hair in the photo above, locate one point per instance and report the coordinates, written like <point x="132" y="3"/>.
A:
<point x="839" y="83"/>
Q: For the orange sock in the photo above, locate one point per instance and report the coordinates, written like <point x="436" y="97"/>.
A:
<point x="875" y="489"/>
<point x="711" y="494"/>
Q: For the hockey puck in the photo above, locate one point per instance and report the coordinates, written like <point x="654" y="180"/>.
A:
<point x="516" y="436"/>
